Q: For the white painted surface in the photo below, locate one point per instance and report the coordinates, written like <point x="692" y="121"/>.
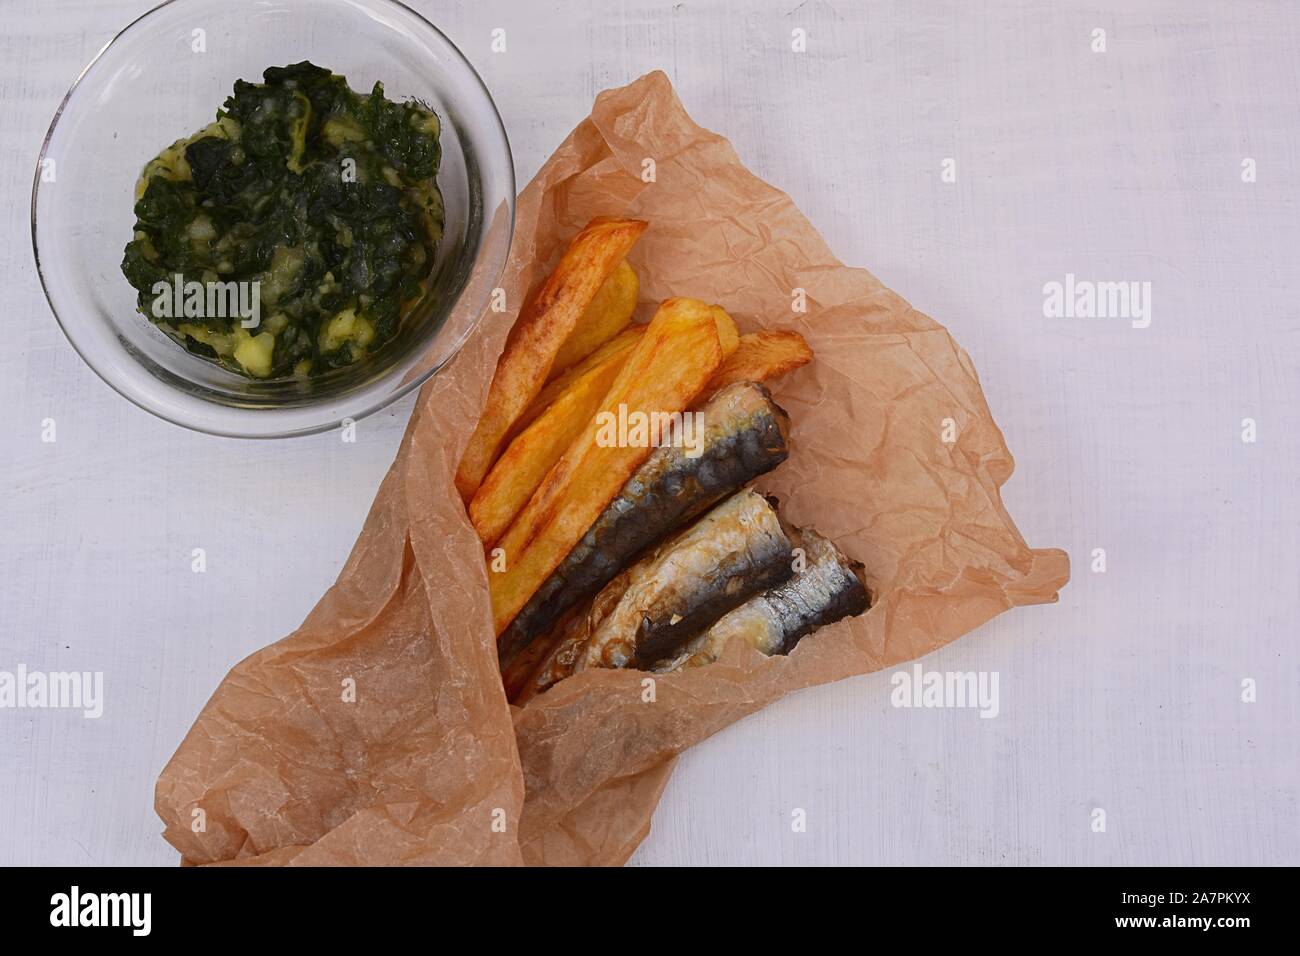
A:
<point x="1123" y="165"/>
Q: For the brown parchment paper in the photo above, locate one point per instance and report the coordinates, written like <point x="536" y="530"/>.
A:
<point x="428" y="763"/>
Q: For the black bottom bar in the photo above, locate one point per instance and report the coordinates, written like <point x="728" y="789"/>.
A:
<point x="294" y="907"/>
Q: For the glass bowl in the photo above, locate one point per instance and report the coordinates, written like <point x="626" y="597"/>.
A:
<point x="163" y="78"/>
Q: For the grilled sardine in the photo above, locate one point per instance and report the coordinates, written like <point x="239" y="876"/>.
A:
<point x="745" y="435"/>
<point x="829" y="588"/>
<point x="659" y="604"/>
<point x="735" y="551"/>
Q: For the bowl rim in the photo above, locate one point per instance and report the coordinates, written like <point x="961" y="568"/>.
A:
<point x="402" y="389"/>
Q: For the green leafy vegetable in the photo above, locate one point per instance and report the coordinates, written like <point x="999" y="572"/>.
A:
<point x="324" y="197"/>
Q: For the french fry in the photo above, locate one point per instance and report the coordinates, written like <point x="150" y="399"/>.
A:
<point x="762" y="356"/>
<point x="609" y="313"/>
<point x="524" y="464"/>
<point x="728" y="334"/>
<point x="555" y="388"/>
<point x="546" y="321"/>
<point x="670" y="365"/>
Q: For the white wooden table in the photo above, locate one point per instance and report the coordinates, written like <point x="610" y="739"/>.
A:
<point x="1111" y="166"/>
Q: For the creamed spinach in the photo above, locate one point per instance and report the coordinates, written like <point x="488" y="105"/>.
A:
<point x="317" y="203"/>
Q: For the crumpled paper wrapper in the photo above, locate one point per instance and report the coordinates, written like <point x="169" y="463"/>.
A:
<point x="424" y="762"/>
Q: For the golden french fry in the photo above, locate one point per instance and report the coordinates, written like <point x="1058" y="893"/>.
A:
<point x="762" y="356"/>
<point x="728" y="334"/>
<point x="670" y="365"/>
<point x="609" y="313"/>
<point x="545" y="323"/>
<point x="555" y="388"/>
<point x="524" y="464"/>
